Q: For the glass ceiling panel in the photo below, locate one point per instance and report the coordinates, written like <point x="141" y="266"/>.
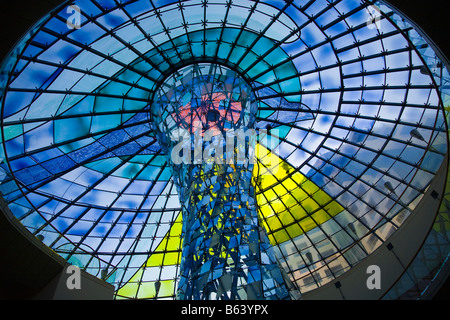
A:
<point x="354" y="107"/>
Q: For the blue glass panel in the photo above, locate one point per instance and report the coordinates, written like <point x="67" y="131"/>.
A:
<point x="21" y="163"/>
<point x="40" y="137"/>
<point x="88" y="34"/>
<point x="57" y="25"/>
<point x="44" y="38"/>
<point x="88" y="152"/>
<point x="35" y="76"/>
<point x="32" y="174"/>
<point x="137" y="8"/>
<point x="87" y="7"/>
<point x="161" y="3"/>
<point x="113" y="19"/>
<point x="60" y="52"/>
<point x="15" y="101"/>
<point x="107" y="4"/>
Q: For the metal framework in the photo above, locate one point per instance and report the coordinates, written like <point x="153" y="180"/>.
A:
<point x="345" y="86"/>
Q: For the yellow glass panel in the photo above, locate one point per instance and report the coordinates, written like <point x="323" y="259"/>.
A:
<point x="311" y="187"/>
<point x="298" y="212"/>
<point x="289" y="200"/>
<point x="146" y="290"/>
<point x="299" y="204"/>
<point x="298" y="178"/>
<point x="281" y="236"/>
<point x="320" y="216"/>
<point x="280" y="190"/>
<point x="129" y="291"/>
<point x="307" y="224"/>
<point x="290" y="185"/>
<point x="269" y="195"/>
<point x="299" y="194"/>
<point x="266" y="211"/>
<point x="155" y="260"/>
<point x="172" y="258"/>
<point x="261" y="199"/>
<point x="167" y="288"/>
<point x="310" y="205"/>
<point x="274" y="223"/>
<point x="333" y="207"/>
<point x="268" y="180"/>
<point x="286" y="217"/>
<point x="322" y="198"/>
<point x="277" y="205"/>
<point x="171" y="242"/>
<point x="294" y="229"/>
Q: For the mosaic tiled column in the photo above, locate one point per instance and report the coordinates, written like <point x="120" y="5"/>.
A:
<point x="204" y="117"/>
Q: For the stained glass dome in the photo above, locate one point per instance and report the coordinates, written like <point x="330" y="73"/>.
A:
<point x="351" y="94"/>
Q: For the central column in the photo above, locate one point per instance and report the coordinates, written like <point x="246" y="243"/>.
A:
<point x="204" y="116"/>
